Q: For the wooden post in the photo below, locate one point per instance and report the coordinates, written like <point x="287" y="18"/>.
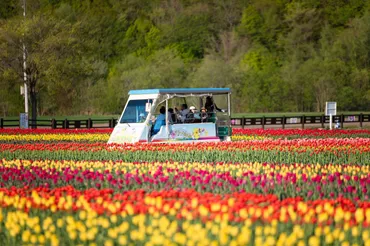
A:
<point x="77" y="124"/>
<point x="284" y="121"/>
<point x="303" y="119"/>
<point x="1" y="123"/>
<point x="53" y="124"/>
<point x="89" y="123"/>
<point x="263" y="122"/>
<point x="341" y="121"/>
<point x="113" y="122"/>
<point x="361" y="119"/>
<point x="323" y="121"/>
<point x="243" y="122"/>
<point x="66" y="124"/>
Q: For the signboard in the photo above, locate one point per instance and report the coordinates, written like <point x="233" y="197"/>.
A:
<point x="351" y="118"/>
<point x="293" y="120"/>
<point x="23" y="121"/>
<point x="331" y="108"/>
<point x="148" y="107"/>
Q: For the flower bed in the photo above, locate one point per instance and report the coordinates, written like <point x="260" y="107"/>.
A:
<point x="102" y="135"/>
<point x="323" y="151"/>
<point x="70" y="187"/>
<point x="253" y="134"/>
<point x="60" y="135"/>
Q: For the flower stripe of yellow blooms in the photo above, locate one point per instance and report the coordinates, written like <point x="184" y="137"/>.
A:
<point x="247" y="138"/>
<point x="55" y="137"/>
<point x="311" y="170"/>
<point x="156" y="229"/>
<point x="95" y="137"/>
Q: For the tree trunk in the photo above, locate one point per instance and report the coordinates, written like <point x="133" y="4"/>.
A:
<point x="33" y="96"/>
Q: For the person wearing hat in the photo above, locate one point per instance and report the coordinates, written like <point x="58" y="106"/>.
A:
<point x="193" y="116"/>
<point x="142" y="117"/>
<point x="203" y="115"/>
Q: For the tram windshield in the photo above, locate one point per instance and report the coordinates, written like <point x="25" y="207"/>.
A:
<point x="135" y="111"/>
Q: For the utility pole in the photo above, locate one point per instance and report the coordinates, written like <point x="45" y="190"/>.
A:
<point x="25" y="66"/>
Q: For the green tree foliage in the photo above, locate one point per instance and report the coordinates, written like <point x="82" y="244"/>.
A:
<point x="9" y="8"/>
<point x="164" y="68"/>
<point x="277" y="55"/>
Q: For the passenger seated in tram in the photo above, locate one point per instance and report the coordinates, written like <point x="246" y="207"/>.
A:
<point x="160" y="121"/>
<point x="172" y="116"/>
<point x="203" y="115"/>
<point x="182" y="112"/>
<point x="193" y="116"/>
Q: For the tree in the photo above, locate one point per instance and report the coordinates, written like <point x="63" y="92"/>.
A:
<point x="9" y="8"/>
<point x="52" y="56"/>
<point x="190" y="33"/>
<point x="163" y="69"/>
<point x="275" y="55"/>
<point x="262" y="88"/>
<point x="13" y="38"/>
<point x="10" y="99"/>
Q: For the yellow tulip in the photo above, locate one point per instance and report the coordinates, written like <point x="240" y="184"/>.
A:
<point x="108" y="243"/>
<point x="313" y="241"/>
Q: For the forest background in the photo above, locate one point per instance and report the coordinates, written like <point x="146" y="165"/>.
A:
<point x="83" y="56"/>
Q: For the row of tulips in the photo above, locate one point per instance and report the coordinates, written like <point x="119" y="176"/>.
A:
<point x="235" y="207"/>
<point x="53" y="136"/>
<point x="16" y="131"/>
<point x="239" y="133"/>
<point x="31" y="138"/>
<point x="298" y="145"/>
<point x="102" y="135"/>
<point x="222" y="179"/>
<point x="22" y="136"/>
<point x="48" y="228"/>
<point x="301" y="133"/>
<point x="323" y="151"/>
<point x="69" y="216"/>
<point x="236" y="169"/>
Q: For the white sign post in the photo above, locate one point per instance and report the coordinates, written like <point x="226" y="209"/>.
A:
<point x="23" y="121"/>
<point x="148" y="107"/>
<point x="330" y="110"/>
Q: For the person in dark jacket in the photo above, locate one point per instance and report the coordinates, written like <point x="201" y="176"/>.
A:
<point x="210" y="106"/>
<point x="203" y="115"/>
<point x="172" y="116"/>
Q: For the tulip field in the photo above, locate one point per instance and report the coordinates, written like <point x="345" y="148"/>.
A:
<point x="266" y="187"/>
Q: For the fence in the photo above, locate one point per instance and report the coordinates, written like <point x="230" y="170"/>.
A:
<point x="63" y="124"/>
<point x="301" y="120"/>
<point x="283" y="121"/>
